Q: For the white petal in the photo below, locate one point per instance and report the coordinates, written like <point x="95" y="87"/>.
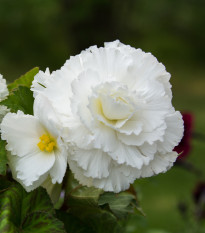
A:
<point x="138" y="140"/>
<point x="113" y="109"/>
<point x="173" y="133"/>
<point x="110" y="63"/>
<point x="160" y="163"/>
<point x="32" y="166"/>
<point x="119" y="179"/>
<point x="81" y="89"/>
<point x="132" y="126"/>
<point x="46" y="114"/>
<point x="104" y="138"/>
<point x="58" y="90"/>
<point x="21" y="132"/>
<point x="40" y="82"/>
<point x="78" y="173"/>
<point x="128" y="155"/>
<point x="12" y="160"/>
<point x="78" y="134"/>
<point x="95" y="163"/>
<point x="58" y="170"/>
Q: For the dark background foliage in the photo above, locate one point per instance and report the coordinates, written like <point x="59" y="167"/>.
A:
<point x="45" y="33"/>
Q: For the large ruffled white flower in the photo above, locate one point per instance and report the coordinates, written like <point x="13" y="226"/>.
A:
<point x="116" y="104"/>
<point x="36" y="148"/>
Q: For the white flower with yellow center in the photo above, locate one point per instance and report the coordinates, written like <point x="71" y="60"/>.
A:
<point x="116" y="103"/>
<point x="36" y="148"/>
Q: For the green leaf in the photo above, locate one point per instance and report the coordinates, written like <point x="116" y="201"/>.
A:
<point x="4" y="184"/>
<point x="82" y="203"/>
<point x="72" y="223"/>
<point x="120" y="204"/>
<point x="24" y="80"/>
<point x="27" y="212"/>
<point x="20" y="99"/>
<point x="3" y="157"/>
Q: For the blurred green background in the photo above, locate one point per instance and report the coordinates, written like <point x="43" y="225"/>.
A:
<point x="45" y="33"/>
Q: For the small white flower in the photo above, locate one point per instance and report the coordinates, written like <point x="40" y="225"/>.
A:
<point x="3" y="88"/>
<point x="3" y="94"/>
<point x="35" y="145"/>
<point x="116" y="103"/>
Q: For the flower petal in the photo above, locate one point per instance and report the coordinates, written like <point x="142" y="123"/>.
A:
<point x="160" y="163"/>
<point x="173" y="132"/>
<point x="40" y="82"/>
<point x="95" y="163"/>
<point x="30" y="167"/>
<point x="119" y="179"/>
<point x="78" y="173"/>
<point x="46" y="114"/>
<point x="58" y="170"/>
<point x="129" y="155"/>
<point x="21" y="132"/>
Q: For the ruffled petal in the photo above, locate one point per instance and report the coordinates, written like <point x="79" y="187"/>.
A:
<point x="173" y="133"/>
<point x="161" y="163"/>
<point x="149" y="137"/>
<point x="95" y="163"/>
<point x="129" y="155"/>
<point x="78" y="173"/>
<point x="119" y="179"/>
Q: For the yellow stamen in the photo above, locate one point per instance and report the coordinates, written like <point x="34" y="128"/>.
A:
<point x="46" y="143"/>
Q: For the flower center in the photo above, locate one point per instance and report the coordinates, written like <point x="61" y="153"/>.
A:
<point x="46" y="143"/>
<point x="115" y="107"/>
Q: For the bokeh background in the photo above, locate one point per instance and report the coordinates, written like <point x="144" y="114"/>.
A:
<point x="45" y="33"/>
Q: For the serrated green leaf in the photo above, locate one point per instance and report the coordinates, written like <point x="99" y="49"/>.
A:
<point x="3" y="157"/>
<point x="120" y="204"/>
<point x="20" y="99"/>
<point x="27" y="212"/>
<point x="24" y="80"/>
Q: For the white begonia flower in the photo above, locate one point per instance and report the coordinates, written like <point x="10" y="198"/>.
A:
<point x="116" y="103"/>
<point x="3" y="88"/>
<point x="3" y="94"/>
<point x="36" y="148"/>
